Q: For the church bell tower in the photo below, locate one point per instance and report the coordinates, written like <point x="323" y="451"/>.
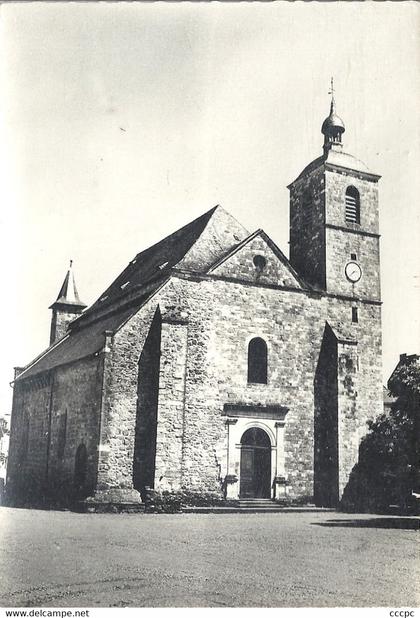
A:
<point x="334" y="246"/>
<point x="334" y="226"/>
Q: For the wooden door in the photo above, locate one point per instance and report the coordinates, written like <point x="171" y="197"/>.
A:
<point x="255" y="479"/>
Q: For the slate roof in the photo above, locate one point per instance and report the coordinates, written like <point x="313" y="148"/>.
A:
<point x="337" y="159"/>
<point x="194" y="248"/>
<point x="77" y="345"/>
<point x="68" y="294"/>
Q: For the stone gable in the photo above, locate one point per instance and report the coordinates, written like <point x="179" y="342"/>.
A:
<point x="258" y="262"/>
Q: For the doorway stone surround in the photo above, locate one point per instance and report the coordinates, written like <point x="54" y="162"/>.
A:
<point x="271" y="419"/>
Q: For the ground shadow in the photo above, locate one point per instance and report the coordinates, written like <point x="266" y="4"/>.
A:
<point x="400" y="523"/>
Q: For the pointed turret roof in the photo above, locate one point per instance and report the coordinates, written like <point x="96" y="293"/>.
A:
<point x="68" y="294"/>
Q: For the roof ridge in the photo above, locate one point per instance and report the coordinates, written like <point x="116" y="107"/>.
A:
<point x="208" y="213"/>
<point x="157" y="258"/>
<point x="127" y="301"/>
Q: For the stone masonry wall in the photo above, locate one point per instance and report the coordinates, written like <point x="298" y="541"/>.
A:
<point x="147" y="407"/>
<point x="60" y="321"/>
<point x="342" y="243"/>
<point x="224" y="318"/>
<point x="241" y="265"/>
<point x="170" y="435"/>
<point x="209" y="325"/>
<point x="348" y="435"/>
<point x="360" y="376"/>
<point x="340" y="247"/>
<point x="336" y="184"/>
<point x="77" y="393"/>
<point x="119" y="411"/>
<point x="236" y="314"/>
<point x="326" y="423"/>
<point x="307" y="233"/>
<point x="37" y="471"/>
<point x="27" y="465"/>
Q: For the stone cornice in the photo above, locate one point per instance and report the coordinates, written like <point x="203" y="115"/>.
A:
<point x="242" y="410"/>
<point x="314" y="293"/>
<point x="212" y="277"/>
<point x="349" y="171"/>
<point x="353" y="299"/>
<point x="341" y="228"/>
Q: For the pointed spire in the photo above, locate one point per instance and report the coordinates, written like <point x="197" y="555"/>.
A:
<point x="68" y="293"/>
<point x="66" y="308"/>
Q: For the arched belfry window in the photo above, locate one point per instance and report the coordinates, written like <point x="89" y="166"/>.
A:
<point x="352" y="205"/>
<point x="257" y="361"/>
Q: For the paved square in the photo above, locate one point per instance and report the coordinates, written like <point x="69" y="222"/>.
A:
<point x="271" y="560"/>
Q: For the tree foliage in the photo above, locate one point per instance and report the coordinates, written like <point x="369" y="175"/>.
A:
<point x="388" y="470"/>
<point x="3" y="427"/>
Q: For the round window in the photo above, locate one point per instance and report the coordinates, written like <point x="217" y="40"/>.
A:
<point x="259" y="262"/>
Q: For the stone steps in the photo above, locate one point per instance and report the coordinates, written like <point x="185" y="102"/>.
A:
<point x="261" y="505"/>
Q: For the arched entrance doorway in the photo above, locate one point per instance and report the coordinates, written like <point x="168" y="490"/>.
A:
<point x="255" y="480"/>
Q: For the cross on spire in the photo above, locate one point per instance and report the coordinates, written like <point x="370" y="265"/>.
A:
<point x="68" y="294"/>
<point x="331" y="91"/>
<point x="333" y="126"/>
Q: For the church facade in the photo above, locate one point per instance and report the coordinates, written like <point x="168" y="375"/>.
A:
<point x="213" y="362"/>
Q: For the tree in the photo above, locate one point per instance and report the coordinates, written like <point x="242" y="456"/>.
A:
<point x="3" y="432"/>
<point x="388" y="470"/>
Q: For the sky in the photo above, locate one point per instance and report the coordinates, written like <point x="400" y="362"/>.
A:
<point x="119" y="123"/>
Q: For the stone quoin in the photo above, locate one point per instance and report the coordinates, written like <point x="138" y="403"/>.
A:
<point x="213" y="362"/>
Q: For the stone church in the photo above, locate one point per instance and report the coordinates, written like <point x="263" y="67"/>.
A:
<point x="213" y="362"/>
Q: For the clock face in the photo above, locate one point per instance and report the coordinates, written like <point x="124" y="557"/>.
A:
<point x="353" y="272"/>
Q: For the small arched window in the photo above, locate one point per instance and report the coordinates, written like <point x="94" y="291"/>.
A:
<point x="352" y="205"/>
<point x="257" y="361"/>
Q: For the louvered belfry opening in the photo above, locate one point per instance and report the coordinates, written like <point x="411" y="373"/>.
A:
<point x="352" y="205"/>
